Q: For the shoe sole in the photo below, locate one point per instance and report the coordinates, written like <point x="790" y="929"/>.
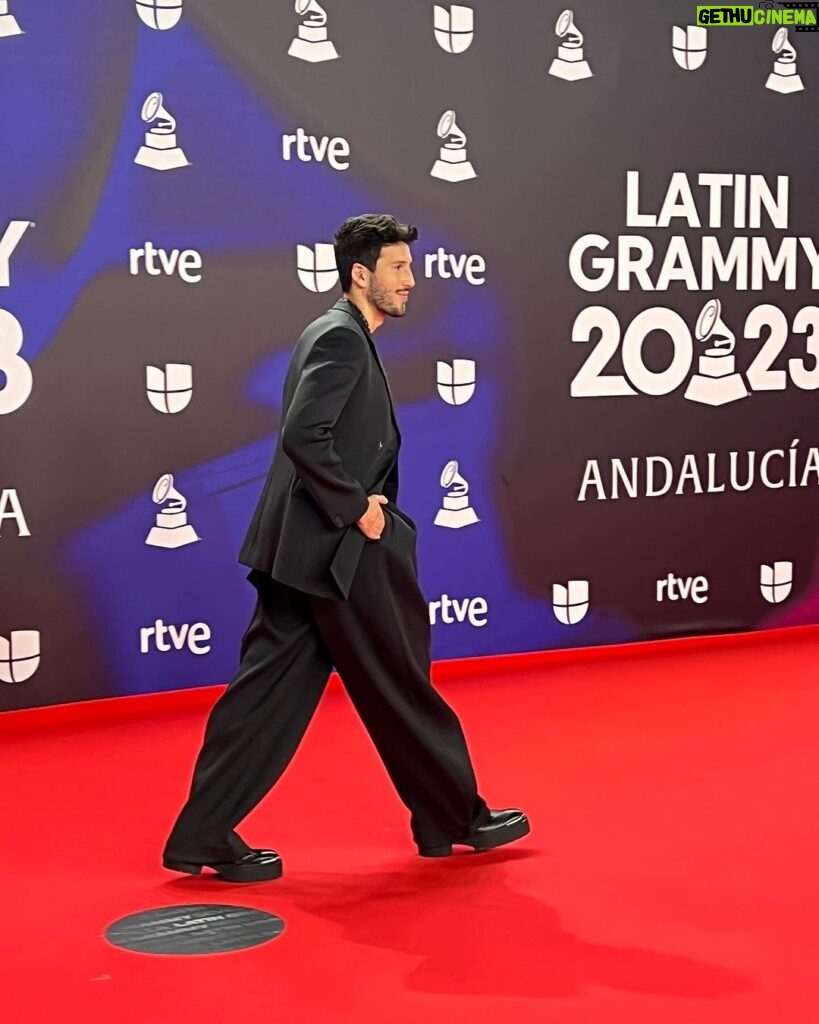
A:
<point x="231" y="872"/>
<point x="516" y="829"/>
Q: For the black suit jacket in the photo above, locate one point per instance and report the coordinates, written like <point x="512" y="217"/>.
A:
<point x="337" y="444"/>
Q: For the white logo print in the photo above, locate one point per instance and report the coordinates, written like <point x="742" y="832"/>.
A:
<point x="311" y="43"/>
<point x="184" y="262"/>
<point x="172" y="529"/>
<point x="309" y="148"/>
<point x="570" y="602"/>
<point x="195" y="637"/>
<point x="317" y="266"/>
<point x="681" y="588"/>
<point x="456" y="381"/>
<point x="452" y="163"/>
<point x="456" y="511"/>
<point x="473" y="609"/>
<point x="448" y="265"/>
<point x="160" y="150"/>
<point x="569" y="64"/>
<point x="784" y="78"/>
<point x="159" y="14"/>
<point x="19" y="655"/>
<point x="10" y="508"/>
<point x="169" y="390"/>
<point x="454" y="28"/>
<point x="8" y="243"/>
<point x="689" y="46"/>
<point x="16" y="378"/>
<point x="716" y="381"/>
<point x="776" y="581"/>
<point x="8" y="23"/>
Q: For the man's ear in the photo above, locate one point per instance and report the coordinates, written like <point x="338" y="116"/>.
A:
<point x="360" y="275"/>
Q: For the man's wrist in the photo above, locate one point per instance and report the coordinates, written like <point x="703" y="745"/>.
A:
<point x="364" y="512"/>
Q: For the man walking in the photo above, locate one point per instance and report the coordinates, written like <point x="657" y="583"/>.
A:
<point x="332" y="558"/>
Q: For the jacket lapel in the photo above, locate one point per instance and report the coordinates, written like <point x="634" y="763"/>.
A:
<point x="355" y="316"/>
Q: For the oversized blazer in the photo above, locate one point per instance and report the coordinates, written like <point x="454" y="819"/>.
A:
<point x="338" y="443"/>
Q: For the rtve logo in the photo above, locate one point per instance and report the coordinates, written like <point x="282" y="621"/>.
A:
<point x="160" y="637"/>
<point x="184" y="262"/>
<point x="454" y="28"/>
<point x="570" y="601"/>
<point x="316" y="267"/>
<point x="159" y="14"/>
<point x="776" y="581"/>
<point x="19" y="655"/>
<point x="447" y="265"/>
<point x="169" y="390"/>
<point x="471" y="609"/>
<point x="309" y="148"/>
<point x="10" y="508"/>
<point x="683" y="588"/>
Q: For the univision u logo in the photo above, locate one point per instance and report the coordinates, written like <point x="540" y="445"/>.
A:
<point x="456" y="381"/>
<point x="570" y="601"/>
<point x="19" y="655"/>
<point x="454" y="28"/>
<point x="170" y="389"/>
<point x="317" y="266"/>
<point x="159" y="14"/>
<point x="689" y="46"/>
<point x="776" y="581"/>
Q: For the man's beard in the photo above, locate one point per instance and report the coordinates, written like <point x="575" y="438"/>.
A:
<point x="380" y="298"/>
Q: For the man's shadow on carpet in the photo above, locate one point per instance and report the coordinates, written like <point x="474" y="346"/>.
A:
<point x="474" y="935"/>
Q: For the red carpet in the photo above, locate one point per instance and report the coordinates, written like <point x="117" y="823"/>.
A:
<point x="672" y="876"/>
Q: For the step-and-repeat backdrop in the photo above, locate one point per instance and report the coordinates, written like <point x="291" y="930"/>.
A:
<point x="607" y="381"/>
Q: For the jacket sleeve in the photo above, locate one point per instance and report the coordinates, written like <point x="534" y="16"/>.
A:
<point x="390" y="487"/>
<point x="331" y="371"/>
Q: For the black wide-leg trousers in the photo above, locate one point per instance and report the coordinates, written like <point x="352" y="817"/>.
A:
<point x="379" y="640"/>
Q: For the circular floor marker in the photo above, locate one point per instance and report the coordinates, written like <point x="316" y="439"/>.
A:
<point x="194" y="928"/>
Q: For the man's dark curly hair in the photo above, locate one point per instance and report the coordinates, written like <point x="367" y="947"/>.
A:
<point x="360" y="240"/>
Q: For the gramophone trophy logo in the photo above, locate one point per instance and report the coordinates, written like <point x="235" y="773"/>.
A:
<point x="452" y="163"/>
<point x="569" y="64"/>
<point x="456" y="511"/>
<point x="716" y="381"/>
<point x="784" y="78"/>
<point x="689" y="46"/>
<point x="159" y="14"/>
<point x="311" y="42"/>
<point x="160" y="150"/>
<point x="172" y="529"/>
<point x="8" y="23"/>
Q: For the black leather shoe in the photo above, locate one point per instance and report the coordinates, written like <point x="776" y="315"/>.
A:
<point x="503" y="827"/>
<point x="256" y="866"/>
